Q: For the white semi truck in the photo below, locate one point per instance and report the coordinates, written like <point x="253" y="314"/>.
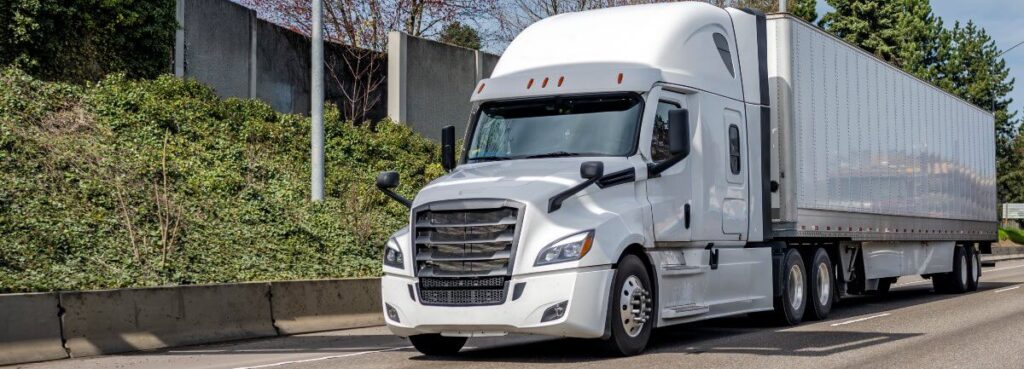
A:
<point x="644" y="166"/>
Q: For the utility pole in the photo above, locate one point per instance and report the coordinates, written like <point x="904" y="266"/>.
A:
<point x="317" y="101"/>
<point x="782" y="6"/>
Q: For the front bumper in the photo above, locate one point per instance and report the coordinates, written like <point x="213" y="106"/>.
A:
<point x="586" y="290"/>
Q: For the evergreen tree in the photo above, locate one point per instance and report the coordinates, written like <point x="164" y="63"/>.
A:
<point x="969" y="65"/>
<point x="459" y="34"/>
<point x="804" y="9"/>
<point x="870" y="24"/>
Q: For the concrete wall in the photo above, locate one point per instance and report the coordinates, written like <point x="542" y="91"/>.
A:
<point x="48" y="326"/>
<point x="216" y="49"/>
<point x="103" y="322"/>
<point x="30" y="328"/>
<point x="224" y="45"/>
<point x="312" y="306"/>
<point x="430" y="83"/>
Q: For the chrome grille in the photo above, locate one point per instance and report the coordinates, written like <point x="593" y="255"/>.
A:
<point x="464" y="251"/>
<point x="476" y="242"/>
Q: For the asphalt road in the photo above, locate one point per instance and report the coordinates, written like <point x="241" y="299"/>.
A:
<point x="912" y="327"/>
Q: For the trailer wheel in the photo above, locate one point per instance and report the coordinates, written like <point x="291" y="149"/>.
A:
<point x="821" y="285"/>
<point x="974" y="269"/>
<point x="436" y="344"/>
<point x="955" y="281"/>
<point x="791" y="303"/>
<point x="631" y="306"/>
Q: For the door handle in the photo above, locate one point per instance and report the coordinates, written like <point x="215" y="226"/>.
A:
<point x="686" y="216"/>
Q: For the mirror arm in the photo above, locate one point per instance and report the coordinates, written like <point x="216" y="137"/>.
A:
<point x="555" y="202"/>
<point x="654" y="169"/>
<point x="395" y="196"/>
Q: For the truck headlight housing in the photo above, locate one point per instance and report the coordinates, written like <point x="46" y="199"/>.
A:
<point x="569" y="248"/>
<point x="393" y="255"/>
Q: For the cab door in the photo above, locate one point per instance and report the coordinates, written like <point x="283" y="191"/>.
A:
<point x="671" y="193"/>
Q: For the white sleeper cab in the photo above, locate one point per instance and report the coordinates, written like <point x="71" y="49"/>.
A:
<point x="643" y="166"/>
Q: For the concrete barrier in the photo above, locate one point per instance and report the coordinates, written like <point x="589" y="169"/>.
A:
<point x="30" y="328"/>
<point x="102" y="322"/>
<point x="320" y="305"/>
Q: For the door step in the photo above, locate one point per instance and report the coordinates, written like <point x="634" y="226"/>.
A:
<point x="682" y="311"/>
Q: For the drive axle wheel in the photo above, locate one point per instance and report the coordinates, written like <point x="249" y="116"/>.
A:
<point x="821" y="286"/>
<point x="790" y="306"/>
<point x="631" y="306"/>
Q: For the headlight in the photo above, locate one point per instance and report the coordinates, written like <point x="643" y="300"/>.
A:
<point x="393" y="255"/>
<point x="566" y="249"/>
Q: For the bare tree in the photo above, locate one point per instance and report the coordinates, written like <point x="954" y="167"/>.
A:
<point x="362" y="27"/>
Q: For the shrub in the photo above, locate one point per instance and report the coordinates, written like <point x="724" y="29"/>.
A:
<point x="128" y="183"/>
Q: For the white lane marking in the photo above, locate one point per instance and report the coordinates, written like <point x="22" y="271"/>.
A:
<point x="323" y="358"/>
<point x="998" y="269"/>
<point x="1007" y="289"/>
<point x="910" y="283"/>
<point x="860" y="319"/>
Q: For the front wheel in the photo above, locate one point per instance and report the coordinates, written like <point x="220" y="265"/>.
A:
<point x="436" y="344"/>
<point x="631" y="306"/>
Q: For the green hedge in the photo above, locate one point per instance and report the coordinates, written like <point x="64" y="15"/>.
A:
<point x="141" y="183"/>
<point x="1013" y="234"/>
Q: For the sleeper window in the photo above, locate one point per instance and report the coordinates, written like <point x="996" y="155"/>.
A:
<point x="734" y="149"/>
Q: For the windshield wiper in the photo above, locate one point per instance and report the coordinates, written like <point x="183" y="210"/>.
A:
<point x="556" y="154"/>
<point x="491" y="158"/>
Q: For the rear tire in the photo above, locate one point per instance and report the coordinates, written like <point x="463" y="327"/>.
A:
<point x="974" y="269"/>
<point x="437" y="345"/>
<point x="630" y="308"/>
<point x="821" y="286"/>
<point x="955" y="281"/>
<point x="791" y="304"/>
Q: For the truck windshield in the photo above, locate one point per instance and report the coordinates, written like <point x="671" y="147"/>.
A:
<point x="594" y="125"/>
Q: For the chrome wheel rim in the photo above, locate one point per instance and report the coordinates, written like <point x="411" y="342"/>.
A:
<point x="824" y="284"/>
<point x="796" y="287"/>
<point x="634" y="306"/>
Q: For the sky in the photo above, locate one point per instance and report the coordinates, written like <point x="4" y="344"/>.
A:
<point x="1002" y="19"/>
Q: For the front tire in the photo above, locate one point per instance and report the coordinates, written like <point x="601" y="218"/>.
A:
<point x="822" y="286"/>
<point x="790" y="306"/>
<point x="437" y="345"/>
<point x="631" y="306"/>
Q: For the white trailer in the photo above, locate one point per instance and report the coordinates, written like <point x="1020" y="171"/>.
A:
<point x="651" y="165"/>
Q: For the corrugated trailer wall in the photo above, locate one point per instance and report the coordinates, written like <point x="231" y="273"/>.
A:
<point x="864" y="137"/>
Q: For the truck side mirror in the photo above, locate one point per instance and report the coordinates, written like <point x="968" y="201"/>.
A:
<point x="679" y="132"/>
<point x="448" y="148"/>
<point x="591" y="170"/>
<point x="386" y="181"/>
<point x="678" y="142"/>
